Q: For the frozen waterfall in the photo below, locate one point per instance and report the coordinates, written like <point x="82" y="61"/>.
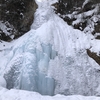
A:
<point x="51" y="58"/>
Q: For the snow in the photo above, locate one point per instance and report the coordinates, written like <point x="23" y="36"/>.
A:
<point x="25" y="95"/>
<point x="5" y="45"/>
<point x="2" y="82"/>
<point x="7" y="29"/>
<point x="4" y="28"/>
<point x="80" y="17"/>
<point x="50" y="59"/>
<point x="42" y="3"/>
<point x="95" y="46"/>
<point x="39" y="0"/>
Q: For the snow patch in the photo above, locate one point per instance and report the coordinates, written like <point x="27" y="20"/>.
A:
<point x="25" y="95"/>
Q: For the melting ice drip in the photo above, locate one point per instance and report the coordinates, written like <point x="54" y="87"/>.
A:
<point x="51" y="58"/>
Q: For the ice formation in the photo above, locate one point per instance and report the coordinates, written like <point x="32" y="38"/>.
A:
<point x="2" y="82"/>
<point x="51" y="58"/>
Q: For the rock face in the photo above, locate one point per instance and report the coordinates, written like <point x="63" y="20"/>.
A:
<point x="77" y="16"/>
<point x="67" y="6"/>
<point x="17" y="13"/>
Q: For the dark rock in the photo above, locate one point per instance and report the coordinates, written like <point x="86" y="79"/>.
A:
<point x="88" y="6"/>
<point x="68" y="6"/>
<point x="97" y="27"/>
<point x="80" y="25"/>
<point x="98" y="37"/>
<point x="94" y="56"/>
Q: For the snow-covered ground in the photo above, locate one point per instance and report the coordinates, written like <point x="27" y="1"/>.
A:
<point x="25" y="95"/>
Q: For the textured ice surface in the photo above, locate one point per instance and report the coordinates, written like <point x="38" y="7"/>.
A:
<point x="51" y="58"/>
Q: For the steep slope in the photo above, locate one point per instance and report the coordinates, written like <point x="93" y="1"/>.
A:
<point x="51" y="58"/>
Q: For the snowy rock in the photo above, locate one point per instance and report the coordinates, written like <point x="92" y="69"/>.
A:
<point x="20" y="16"/>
